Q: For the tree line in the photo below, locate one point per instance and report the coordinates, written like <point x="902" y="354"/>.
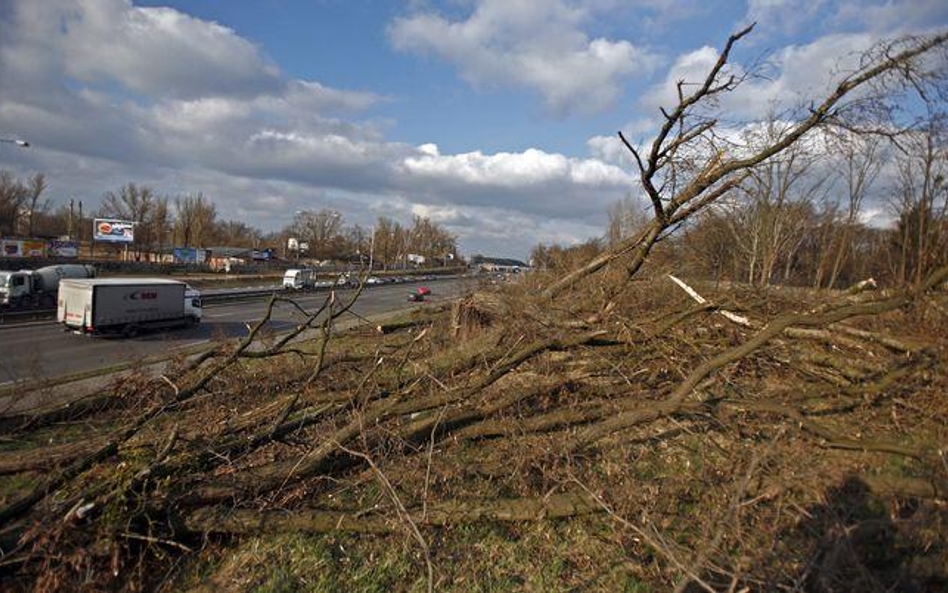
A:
<point x="805" y="217"/>
<point x="21" y="204"/>
<point x="389" y="243"/>
<point x="192" y="220"/>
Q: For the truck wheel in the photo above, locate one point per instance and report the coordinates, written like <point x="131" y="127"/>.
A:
<point x="130" y="331"/>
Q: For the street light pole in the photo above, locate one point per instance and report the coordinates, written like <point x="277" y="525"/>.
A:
<point x="16" y="142"/>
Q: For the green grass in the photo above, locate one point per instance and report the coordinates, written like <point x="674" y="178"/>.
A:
<point x="477" y="558"/>
<point x="13" y="485"/>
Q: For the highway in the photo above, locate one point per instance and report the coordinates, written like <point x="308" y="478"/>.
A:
<point x="42" y="350"/>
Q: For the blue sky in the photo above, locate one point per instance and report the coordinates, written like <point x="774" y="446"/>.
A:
<point x="345" y="44"/>
<point x="496" y="118"/>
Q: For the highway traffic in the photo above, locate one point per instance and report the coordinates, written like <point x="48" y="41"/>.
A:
<point x="42" y="350"/>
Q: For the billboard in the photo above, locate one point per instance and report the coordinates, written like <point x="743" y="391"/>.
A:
<point x="11" y="248"/>
<point x="34" y="248"/>
<point x="113" y="231"/>
<point x="22" y="248"/>
<point x="190" y="255"/>
<point x="63" y="248"/>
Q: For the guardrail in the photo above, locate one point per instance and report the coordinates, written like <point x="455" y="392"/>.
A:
<point x="224" y="296"/>
<point x="24" y="316"/>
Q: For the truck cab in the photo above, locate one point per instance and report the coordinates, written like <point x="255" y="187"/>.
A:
<point x="36" y="288"/>
<point x="193" y="307"/>
<point x="16" y="288"/>
<point x="298" y="279"/>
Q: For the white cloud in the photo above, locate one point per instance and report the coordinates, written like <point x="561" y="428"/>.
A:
<point x="610" y="150"/>
<point x="792" y="76"/>
<point x="218" y="117"/>
<point x="889" y="17"/>
<point x="494" y="230"/>
<point x="786" y="16"/>
<point x="532" y="181"/>
<point x="157" y="51"/>
<point x="538" y="45"/>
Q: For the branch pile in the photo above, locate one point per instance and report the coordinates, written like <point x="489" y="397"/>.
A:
<point x="273" y="436"/>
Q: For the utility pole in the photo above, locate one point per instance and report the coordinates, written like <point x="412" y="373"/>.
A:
<point x="79" y="228"/>
<point x="372" y="251"/>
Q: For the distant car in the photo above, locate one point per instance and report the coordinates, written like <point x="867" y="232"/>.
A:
<point x="347" y="281"/>
<point x="416" y="297"/>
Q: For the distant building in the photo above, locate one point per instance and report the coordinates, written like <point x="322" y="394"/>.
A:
<point x="498" y="264"/>
<point x="224" y="258"/>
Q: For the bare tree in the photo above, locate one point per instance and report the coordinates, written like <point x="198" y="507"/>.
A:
<point x="195" y="218"/>
<point x="13" y="197"/>
<point x="238" y="234"/>
<point x="161" y="224"/>
<point x="389" y="241"/>
<point x="35" y="188"/>
<point x="922" y="202"/>
<point x="430" y="240"/>
<point x="769" y="224"/>
<point x="626" y="218"/>
<point x="710" y="247"/>
<point x="861" y="166"/>
<point x="322" y="229"/>
<point x="688" y="166"/>
<point x="822" y="237"/>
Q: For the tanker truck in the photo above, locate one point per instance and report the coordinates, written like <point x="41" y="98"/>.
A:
<point x="38" y="288"/>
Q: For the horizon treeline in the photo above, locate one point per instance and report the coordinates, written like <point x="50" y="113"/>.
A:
<point x="805" y="218"/>
<point x="192" y="220"/>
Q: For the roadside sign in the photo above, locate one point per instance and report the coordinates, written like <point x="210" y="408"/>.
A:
<point x="62" y="248"/>
<point x="113" y="231"/>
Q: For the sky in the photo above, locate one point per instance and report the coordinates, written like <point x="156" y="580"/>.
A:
<point x="495" y="118"/>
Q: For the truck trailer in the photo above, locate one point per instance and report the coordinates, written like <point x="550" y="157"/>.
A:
<point x="126" y="305"/>
<point x="37" y="288"/>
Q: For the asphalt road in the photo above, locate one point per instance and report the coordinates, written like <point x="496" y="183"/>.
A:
<point x="42" y="350"/>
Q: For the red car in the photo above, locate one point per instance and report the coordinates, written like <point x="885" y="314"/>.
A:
<point x="419" y="295"/>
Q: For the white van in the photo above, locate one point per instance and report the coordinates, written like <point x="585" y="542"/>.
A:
<point x="298" y="279"/>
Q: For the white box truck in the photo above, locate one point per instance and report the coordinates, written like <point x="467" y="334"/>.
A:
<point x="126" y="305"/>
<point x="299" y="279"/>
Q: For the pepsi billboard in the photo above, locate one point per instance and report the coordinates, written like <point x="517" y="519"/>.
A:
<point x="113" y="231"/>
